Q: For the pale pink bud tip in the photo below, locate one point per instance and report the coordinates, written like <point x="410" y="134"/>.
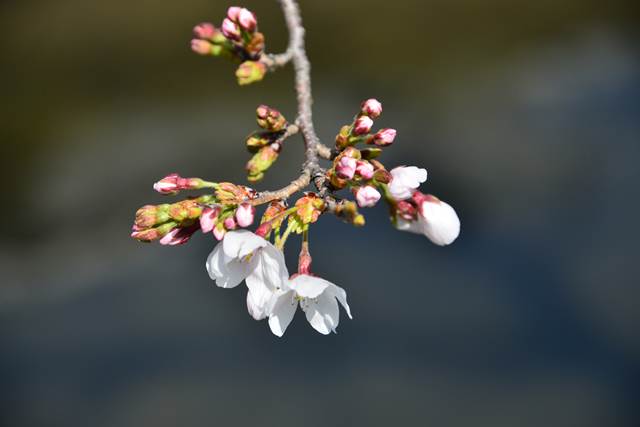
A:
<point x="233" y="12"/>
<point x="168" y="184"/>
<point x="208" y="219"/>
<point x="247" y="20"/>
<point x="346" y="167"/>
<point x="245" y="214"/>
<point x="365" y="170"/>
<point x="363" y="125"/>
<point x="230" y="29"/>
<point x="204" y="30"/>
<point x="384" y="137"/>
<point x="230" y="223"/>
<point x="219" y="232"/>
<point x="367" y="196"/>
<point x="372" y="108"/>
<point x="178" y="236"/>
<point x="201" y="47"/>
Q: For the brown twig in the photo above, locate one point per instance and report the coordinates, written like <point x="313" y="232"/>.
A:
<point x="314" y="149"/>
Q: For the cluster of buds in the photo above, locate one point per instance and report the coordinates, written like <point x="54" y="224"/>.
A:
<point x="360" y="129"/>
<point x="238" y="39"/>
<point x="265" y="144"/>
<point x="170" y="224"/>
<point x="355" y="168"/>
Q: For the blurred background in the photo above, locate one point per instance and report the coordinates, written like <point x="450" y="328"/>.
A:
<point x="526" y="115"/>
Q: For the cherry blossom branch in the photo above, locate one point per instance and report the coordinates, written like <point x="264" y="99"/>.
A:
<point x="314" y="149"/>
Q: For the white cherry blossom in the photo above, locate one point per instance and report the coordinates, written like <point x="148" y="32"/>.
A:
<point x="405" y="179"/>
<point x="318" y="298"/>
<point x="243" y="255"/>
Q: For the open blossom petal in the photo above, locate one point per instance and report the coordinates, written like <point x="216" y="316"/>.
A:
<point x="240" y="243"/>
<point x="322" y="313"/>
<point x="317" y="297"/>
<point x="308" y="286"/>
<point x="281" y="311"/>
<point x="267" y="277"/>
<point x="226" y="271"/>
<point x="405" y="180"/>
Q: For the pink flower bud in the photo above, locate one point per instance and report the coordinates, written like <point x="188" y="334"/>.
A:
<point x="178" y="236"/>
<point x="247" y="20"/>
<point x="208" y="218"/>
<point x="367" y="196"/>
<point x="230" y="223"/>
<point x="205" y="30"/>
<point x="245" y="214"/>
<point x="230" y="29"/>
<point x="201" y="47"/>
<point x="346" y="167"/>
<point x="264" y="229"/>
<point x="168" y="184"/>
<point x="365" y="169"/>
<point x="372" y="108"/>
<point x="384" y="137"/>
<point x="219" y="231"/>
<point x="406" y="210"/>
<point x="233" y="12"/>
<point x="362" y="125"/>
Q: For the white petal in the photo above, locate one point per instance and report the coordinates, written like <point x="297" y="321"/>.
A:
<point x="308" y="286"/>
<point x="274" y="268"/>
<point x="256" y="305"/>
<point x="341" y="296"/>
<point x="410" y="226"/>
<point x="405" y="180"/>
<point x="234" y="272"/>
<point x="322" y="313"/>
<point x="240" y="243"/>
<point x="439" y="221"/>
<point x="282" y="309"/>
<point x="215" y="262"/>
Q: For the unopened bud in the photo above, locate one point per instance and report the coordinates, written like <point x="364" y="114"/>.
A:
<point x="205" y="31"/>
<point x="370" y="153"/>
<point x="245" y="213"/>
<point x="250" y="71"/>
<point x="270" y="119"/>
<point x="367" y="196"/>
<point x="150" y="215"/>
<point x="352" y="152"/>
<point x="264" y="229"/>
<point x="362" y="125"/>
<point x="219" y="231"/>
<point x="229" y="193"/>
<point x="382" y="176"/>
<point x="233" y="12"/>
<point x="336" y="182"/>
<point x="230" y="223"/>
<point x="208" y="218"/>
<point x="346" y="167"/>
<point x="342" y="138"/>
<point x="247" y="20"/>
<point x="384" y="137"/>
<point x="178" y="236"/>
<point x="273" y="213"/>
<point x="151" y="234"/>
<point x="365" y="169"/>
<point x="173" y="183"/>
<point x="201" y="47"/>
<point x="230" y="29"/>
<point x="256" y="45"/>
<point x="257" y="140"/>
<point x="185" y="210"/>
<point x="371" y="107"/>
<point x="261" y="162"/>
